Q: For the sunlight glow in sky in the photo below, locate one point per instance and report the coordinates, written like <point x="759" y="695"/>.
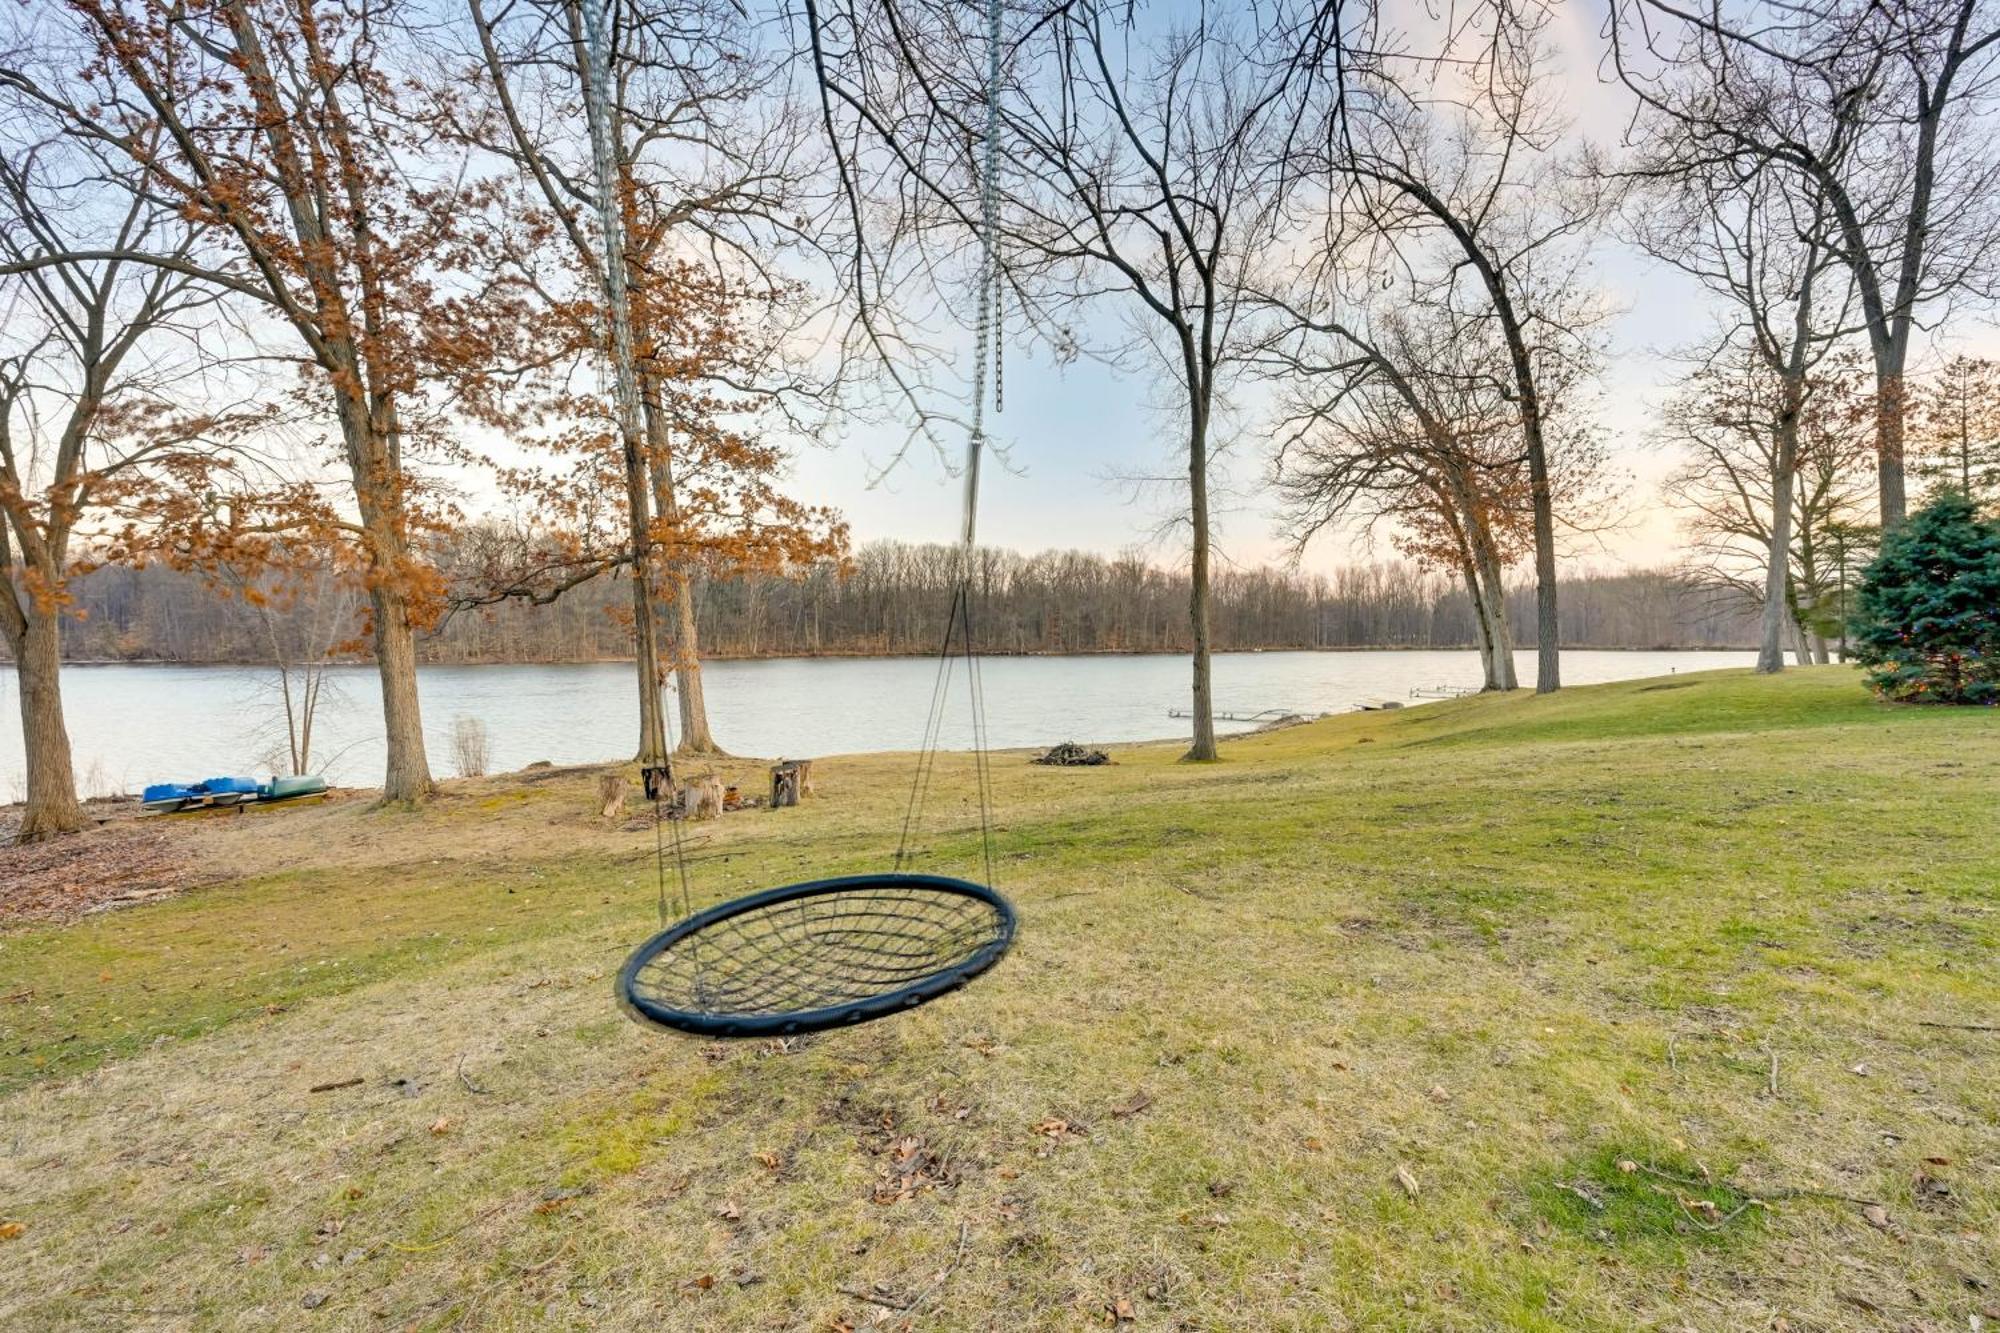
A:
<point x="1076" y="435"/>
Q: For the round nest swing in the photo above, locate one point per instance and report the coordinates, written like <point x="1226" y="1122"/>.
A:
<point x="829" y="952"/>
<point x="822" y="954"/>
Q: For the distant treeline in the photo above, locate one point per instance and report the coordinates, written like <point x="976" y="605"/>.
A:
<point x="893" y="599"/>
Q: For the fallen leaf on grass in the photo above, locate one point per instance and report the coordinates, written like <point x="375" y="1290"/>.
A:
<point x="555" y="1201"/>
<point x="12" y="1230"/>
<point x="1132" y="1105"/>
<point x="1120" y="1311"/>
<point x="1875" y="1215"/>
<point x="1056" y="1129"/>
<point x="729" y="1211"/>
<point x="441" y="1126"/>
<point x="1408" y="1180"/>
<point x="1313" y="1145"/>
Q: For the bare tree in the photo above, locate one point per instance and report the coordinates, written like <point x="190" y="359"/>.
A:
<point x="1958" y="415"/>
<point x="101" y="409"/>
<point x="305" y="612"/>
<point x="1401" y="421"/>
<point x="1441" y="165"/>
<point x="1884" y="111"/>
<point x="1131" y="170"/>
<point x="1727" y="422"/>
<point x="1766" y="243"/>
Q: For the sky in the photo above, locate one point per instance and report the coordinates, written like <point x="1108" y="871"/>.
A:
<point x="1074" y="435"/>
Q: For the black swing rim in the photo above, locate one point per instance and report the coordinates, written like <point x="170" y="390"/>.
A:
<point x="796" y="1022"/>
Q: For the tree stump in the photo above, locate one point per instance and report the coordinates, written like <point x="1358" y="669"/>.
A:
<point x="611" y="794"/>
<point x="701" y="798"/>
<point x="789" y="781"/>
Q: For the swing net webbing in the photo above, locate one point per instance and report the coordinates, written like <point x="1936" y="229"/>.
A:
<point x="819" y="954"/>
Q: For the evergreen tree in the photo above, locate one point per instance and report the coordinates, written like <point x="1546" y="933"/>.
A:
<point x="1927" y="621"/>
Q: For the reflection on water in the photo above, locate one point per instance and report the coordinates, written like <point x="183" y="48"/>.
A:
<point x="130" y="725"/>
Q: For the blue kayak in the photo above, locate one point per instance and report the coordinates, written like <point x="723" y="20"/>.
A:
<point x="171" y="797"/>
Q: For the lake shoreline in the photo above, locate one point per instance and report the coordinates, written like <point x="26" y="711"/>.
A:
<point x="886" y="656"/>
<point x="133" y="724"/>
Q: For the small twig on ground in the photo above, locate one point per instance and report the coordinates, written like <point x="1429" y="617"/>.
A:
<point x="1729" y="1217"/>
<point x="440" y="1242"/>
<point x="1772" y="1082"/>
<point x="886" y="1302"/>
<point x="1960" y="1027"/>
<point x="338" y="1084"/>
<point x="1775" y="1192"/>
<point x="470" y="1086"/>
<point x="945" y="1276"/>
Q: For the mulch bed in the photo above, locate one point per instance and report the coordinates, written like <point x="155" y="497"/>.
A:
<point x="64" y="879"/>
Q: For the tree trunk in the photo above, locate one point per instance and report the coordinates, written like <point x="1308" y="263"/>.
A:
<point x="52" y="804"/>
<point x="1482" y="626"/>
<point x="645" y="634"/>
<point x="605" y="152"/>
<point x="695" y="735"/>
<point x="1800" y="647"/>
<point x="408" y="775"/>
<point x="1492" y="606"/>
<point x="1778" y="560"/>
<point x="1889" y="364"/>
<point x="696" y="738"/>
<point x="1203" y="748"/>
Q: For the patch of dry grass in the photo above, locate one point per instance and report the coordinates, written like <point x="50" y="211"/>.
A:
<point x="1357" y="1030"/>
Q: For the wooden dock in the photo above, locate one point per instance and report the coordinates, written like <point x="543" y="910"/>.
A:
<point x="1262" y="715"/>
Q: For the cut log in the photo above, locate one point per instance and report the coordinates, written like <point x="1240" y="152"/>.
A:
<point x="611" y="794"/>
<point x="791" y="782"/>
<point x="701" y="798"/>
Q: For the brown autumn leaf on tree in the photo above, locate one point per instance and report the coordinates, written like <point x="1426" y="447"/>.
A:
<point x="281" y="131"/>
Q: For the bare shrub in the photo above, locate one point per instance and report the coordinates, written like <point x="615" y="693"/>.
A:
<point x="468" y="747"/>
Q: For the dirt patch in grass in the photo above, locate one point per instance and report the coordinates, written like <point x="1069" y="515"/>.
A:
<point x="119" y="864"/>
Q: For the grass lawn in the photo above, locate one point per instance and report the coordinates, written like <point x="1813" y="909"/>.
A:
<point x="1602" y="1011"/>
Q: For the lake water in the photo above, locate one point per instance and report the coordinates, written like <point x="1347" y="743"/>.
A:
<point x="131" y="725"/>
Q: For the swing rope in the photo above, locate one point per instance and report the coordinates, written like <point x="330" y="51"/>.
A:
<point x="825" y="953"/>
<point x="959" y="618"/>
